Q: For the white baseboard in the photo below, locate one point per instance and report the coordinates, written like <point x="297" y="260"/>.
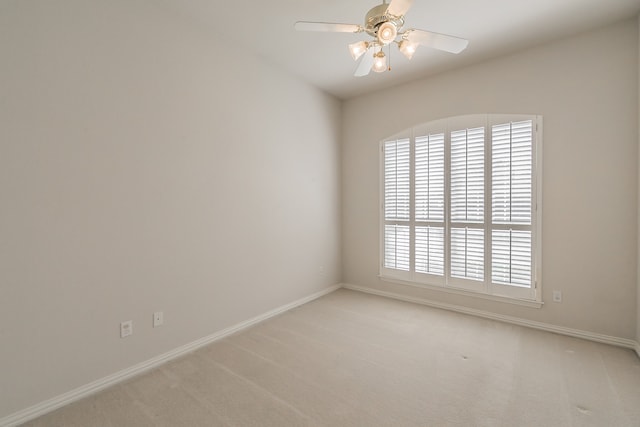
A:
<point x="103" y="383"/>
<point x="591" y="336"/>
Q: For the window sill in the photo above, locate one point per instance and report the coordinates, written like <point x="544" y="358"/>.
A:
<point x="455" y="291"/>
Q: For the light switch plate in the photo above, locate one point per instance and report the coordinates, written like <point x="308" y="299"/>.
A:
<point x="158" y="319"/>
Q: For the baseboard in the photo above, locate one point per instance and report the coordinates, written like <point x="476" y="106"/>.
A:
<point x="103" y="383"/>
<point x="591" y="336"/>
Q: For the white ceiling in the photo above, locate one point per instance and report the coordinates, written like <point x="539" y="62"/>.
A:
<point x="493" y="27"/>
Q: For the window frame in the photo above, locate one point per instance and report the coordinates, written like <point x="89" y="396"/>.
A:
<point x="484" y="289"/>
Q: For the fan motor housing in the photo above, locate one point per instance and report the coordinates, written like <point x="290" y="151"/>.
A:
<point x="378" y="16"/>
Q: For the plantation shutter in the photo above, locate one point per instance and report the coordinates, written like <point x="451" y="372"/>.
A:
<point x="511" y="257"/>
<point x="430" y="250"/>
<point x="467" y="203"/>
<point x="429" y="204"/>
<point x="511" y="205"/>
<point x="397" y="180"/>
<point x="429" y="176"/>
<point x="511" y="173"/>
<point x="397" y="241"/>
<point x="460" y="205"/>
<point x="397" y="204"/>
<point x="467" y="175"/>
<point x="467" y="253"/>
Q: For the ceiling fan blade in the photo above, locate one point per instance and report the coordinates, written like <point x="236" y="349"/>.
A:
<point x="399" y="7"/>
<point x="327" y="26"/>
<point x="366" y="63"/>
<point x="437" y="41"/>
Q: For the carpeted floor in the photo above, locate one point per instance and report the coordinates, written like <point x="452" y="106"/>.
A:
<point x="352" y="359"/>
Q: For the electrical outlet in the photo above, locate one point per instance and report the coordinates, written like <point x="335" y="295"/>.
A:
<point x="158" y="319"/>
<point x="126" y="328"/>
<point x="557" y="296"/>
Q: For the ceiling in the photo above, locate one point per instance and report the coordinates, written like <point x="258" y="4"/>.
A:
<point x="493" y="28"/>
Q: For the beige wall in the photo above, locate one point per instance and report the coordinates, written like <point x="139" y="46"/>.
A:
<point x="638" y="277"/>
<point x="145" y="166"/>
<point x="586" y="88"/>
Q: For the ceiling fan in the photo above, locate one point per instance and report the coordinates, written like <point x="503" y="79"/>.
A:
<point x="385" y="24"/>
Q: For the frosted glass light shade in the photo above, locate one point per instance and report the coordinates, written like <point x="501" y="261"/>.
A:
<point x="379" y="63"/>
<point x="407" y="48"/>
<point x="358" y="49"/>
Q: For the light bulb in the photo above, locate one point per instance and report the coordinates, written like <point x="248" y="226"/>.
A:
<point x="379" y="63"/>
<point x="358" y="49"/>
<point x="407" y="48"/>
<point x="387" y="33"/>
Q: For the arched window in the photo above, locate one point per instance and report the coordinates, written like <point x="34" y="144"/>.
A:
<point x="460" y="205"/>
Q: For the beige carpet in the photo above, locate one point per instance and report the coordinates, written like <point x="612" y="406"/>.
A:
<point x="351" y="359"/>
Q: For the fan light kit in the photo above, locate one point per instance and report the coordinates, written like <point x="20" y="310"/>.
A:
<point x="384" y="23"/>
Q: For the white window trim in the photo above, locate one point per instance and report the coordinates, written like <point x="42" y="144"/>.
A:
<point x="485" y="289"/>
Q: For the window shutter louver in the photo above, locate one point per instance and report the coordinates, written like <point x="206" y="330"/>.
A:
<point x="467" y="175"/>
<point x="397" y="240"/>
<point x="511" y="257"/>
<point x="511" y="173"/>
<point x="467" y="253"/>
<point x="429" y="176"/>
<point x="397" y="180"/>
<point x="430" y="250"/>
